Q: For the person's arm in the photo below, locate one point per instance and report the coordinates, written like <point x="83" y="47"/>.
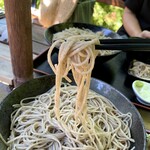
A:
<point x="132" y="26"/>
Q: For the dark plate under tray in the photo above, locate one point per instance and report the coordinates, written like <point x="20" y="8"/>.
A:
<point x="40" y="64"/>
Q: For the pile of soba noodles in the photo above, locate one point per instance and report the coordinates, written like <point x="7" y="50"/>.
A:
<point x="70" y="117"/>
<point x="139" y="69"/>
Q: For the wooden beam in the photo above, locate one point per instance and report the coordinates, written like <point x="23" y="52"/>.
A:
<point x="18" y="18"/>
<point x="118" y="3"/>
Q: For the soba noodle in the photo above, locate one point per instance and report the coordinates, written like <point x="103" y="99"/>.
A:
<point x="70" y="117"/>
<point x="140" y="69"/>
<point x="34" y="124"/>
<point x="72" y="31"/>
<point x="76" y="53"/>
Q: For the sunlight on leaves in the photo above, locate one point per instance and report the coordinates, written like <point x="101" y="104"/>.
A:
<point x="107" y="16"/>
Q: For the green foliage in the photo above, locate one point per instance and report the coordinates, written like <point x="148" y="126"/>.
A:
<point x="107" y="16"/>
<point x="37" y="3"/>
<point x="2" y="4"/>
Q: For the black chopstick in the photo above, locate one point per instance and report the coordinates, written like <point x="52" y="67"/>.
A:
<point x="124" y="47"/>
<point x="123" y="41"/>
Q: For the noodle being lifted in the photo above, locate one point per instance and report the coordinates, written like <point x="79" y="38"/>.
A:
<point x="76" y="53"/>
<point x="72" y="31"/>
<point x="70" y="117"/>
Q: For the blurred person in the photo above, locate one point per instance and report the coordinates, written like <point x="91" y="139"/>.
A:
<point x="136" y="20"/>
<point x="136" y="23"/>
<point x="57" y="11"/>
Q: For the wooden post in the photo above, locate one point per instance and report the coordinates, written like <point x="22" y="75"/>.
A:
<point x="18" y="18"/>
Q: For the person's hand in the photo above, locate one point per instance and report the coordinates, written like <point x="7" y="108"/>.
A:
<point x="144" y="34"/>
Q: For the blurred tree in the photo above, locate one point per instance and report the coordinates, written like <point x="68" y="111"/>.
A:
<point x="1" y="4"/>
<point x="107" y="16"/>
